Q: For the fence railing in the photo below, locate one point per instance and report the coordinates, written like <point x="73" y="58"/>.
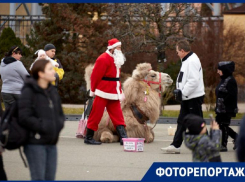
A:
<point x="20" y="24"/>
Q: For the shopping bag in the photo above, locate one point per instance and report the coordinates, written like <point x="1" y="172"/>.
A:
<point x="81" y="130"/>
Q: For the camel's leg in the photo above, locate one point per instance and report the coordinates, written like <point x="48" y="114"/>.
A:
<point x="149" y="135"/>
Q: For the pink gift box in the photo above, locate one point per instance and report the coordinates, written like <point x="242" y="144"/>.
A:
<point x="133" y="144"/>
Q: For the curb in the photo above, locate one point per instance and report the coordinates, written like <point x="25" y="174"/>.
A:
<point x="161" y="120"/>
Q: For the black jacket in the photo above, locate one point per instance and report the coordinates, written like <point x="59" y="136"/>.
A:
<point x="241" y="143"/>
<point x="41" y="113"/>
<point x="226" y="91"/>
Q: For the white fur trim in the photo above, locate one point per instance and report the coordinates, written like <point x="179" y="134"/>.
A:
<point x="91" y="94"/>
<point x="108" y="52"/>
<point x="114" y="45"/>
<point x="118" y="84"/>
<point x="106" y="95"/>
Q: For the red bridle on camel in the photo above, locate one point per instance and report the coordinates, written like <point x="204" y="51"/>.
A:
<point x="157" y="83"/>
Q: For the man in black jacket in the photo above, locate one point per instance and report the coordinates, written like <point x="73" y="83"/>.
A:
<point x="226" y="101"/>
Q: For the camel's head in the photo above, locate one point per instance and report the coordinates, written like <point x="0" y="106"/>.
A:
<point x="144" y="72"/>
<point x="155" y="79"/>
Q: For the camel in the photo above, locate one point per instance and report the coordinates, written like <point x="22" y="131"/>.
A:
<point x="142" y="103"/>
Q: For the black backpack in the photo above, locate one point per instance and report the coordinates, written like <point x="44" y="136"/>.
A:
<point x="12" y="134"/>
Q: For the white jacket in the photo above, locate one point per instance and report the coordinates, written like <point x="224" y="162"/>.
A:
<point x="190" y="78"/>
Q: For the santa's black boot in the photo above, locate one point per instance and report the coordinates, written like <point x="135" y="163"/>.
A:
<point x="122" y="133"/>
<point x="89" y="138"/>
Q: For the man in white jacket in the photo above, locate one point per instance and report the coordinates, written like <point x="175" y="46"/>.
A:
<point x="190" y="83"/>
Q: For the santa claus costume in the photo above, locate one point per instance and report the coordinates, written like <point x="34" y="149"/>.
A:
<point x="106" y="87"/>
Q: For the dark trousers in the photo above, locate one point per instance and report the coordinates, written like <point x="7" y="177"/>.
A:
<point x="192" y="106"/>
<point x="9" y="99"/>
<point x="42" y="160"/>
<point x="3" y="176"/>
<point x="224" y="121"/>
<point x="232" y="133"/>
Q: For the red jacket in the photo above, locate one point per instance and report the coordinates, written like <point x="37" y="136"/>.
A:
<point x="105" y="67"/>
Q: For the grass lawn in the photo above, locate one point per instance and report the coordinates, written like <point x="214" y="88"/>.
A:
<point x="78" y="111"/>
<point x="164" y="113"/>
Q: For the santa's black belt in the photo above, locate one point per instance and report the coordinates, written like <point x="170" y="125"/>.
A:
<point x="110" y="79"/>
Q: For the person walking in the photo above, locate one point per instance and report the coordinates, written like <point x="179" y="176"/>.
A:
<point x="13" y="74"/>
<point x="50" y="51"/>
<point x="226" y="102"/>
<point x="190" y="86"/>
<point x="106" y="87"/>
<point x="40" y="112"/>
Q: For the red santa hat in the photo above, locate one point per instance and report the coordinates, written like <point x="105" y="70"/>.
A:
<point x="113" y="43"/>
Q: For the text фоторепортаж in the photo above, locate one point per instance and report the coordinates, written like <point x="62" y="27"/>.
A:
<point x="200" y="171"/>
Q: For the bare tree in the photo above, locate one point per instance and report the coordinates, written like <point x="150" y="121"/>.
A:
<point x="214" y="43"/>
<point x="150" y="28"/>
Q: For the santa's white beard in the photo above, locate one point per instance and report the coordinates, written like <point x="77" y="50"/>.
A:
<point x="119" y="58"/>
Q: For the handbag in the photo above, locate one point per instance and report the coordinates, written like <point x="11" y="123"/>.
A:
<point x="82" y="125"/>
<point x="178" y="95"/>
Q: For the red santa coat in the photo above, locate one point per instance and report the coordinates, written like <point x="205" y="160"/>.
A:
<point x="105" y="67"/>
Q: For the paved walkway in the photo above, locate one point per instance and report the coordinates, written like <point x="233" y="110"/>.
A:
<point x="241" y="107"/>
<point x="77" y="161"/>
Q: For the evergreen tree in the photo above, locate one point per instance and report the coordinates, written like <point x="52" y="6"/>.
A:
<point x="149" y="30"/>
<point x="8" y="39"/>
<point x="77" y="32"/>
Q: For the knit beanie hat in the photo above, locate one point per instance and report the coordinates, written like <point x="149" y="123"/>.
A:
<point x="194" y="124"/>
<point x="49" y="46"/>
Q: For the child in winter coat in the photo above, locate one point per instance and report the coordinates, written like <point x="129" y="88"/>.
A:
<point x="226" y="101"/>
<point x="204" y="148"/>
<point x="42" y="55"/>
